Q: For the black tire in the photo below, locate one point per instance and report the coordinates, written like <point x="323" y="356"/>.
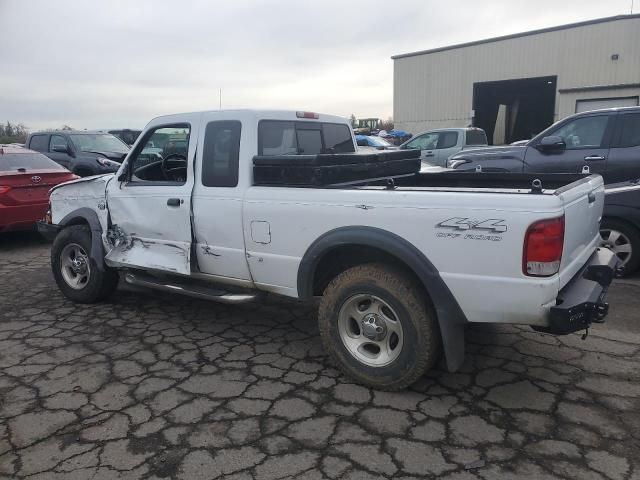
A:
<point x="421" y="337"/>
<point x="100" y="283"/>
<point x="632" y="236"/>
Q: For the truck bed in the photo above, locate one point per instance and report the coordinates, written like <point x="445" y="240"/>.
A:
<point x="393" y="169"/>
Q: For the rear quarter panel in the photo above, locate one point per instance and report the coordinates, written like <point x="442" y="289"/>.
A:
<point x="482" y="267"/>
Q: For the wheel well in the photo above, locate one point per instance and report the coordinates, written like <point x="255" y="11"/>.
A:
<point x="616" y="218"/>
<point x="77" y="221"/>
<point x="339" y="259"/>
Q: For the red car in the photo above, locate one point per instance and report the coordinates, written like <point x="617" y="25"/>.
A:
<point x="25" y="179"/>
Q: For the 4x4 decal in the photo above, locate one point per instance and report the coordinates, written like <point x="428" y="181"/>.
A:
<point x="490" y="227"/>
<point x="460" y="223"/>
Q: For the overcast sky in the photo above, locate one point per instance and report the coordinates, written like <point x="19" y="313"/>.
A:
<point x="106" y="64"/>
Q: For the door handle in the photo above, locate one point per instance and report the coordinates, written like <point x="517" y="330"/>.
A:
<point x="591" y="158"/>
<point x="428" y="154"/>
<point x="174" y="202"/>
<point x="591" y="197"/>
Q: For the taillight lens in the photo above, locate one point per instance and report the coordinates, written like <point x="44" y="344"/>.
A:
<point x="4" y="189"/>
<point x="543" y="247"/>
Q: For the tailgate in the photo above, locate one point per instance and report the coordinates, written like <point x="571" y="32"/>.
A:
<point x="583" y="203"/>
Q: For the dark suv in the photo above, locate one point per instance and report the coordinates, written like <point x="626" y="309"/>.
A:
<point x="83" y="153"/>
<point x="605" y="141"/>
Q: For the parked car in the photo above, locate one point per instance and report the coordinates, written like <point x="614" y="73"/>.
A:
<point x="25" y="179"/>
<point x="84" y="153"/>
<point x="601" y="141"/>
<point x="438" y="145"/>
<point x="372" y="143"/>
<point x="620" y="228"/>
<point x="400" y="263"/>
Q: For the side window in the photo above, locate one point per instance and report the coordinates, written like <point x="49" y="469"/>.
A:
<point x="476" y="136"/>
<point x="58" y="144"/>
<point x="428" y="141"/>
<point x="162" y="155"/>
<point x="447" y="140"/>
<point x="38" y="143"/>
<point x="220" y="155"/>
<point x="585" y="132"/>
<point x="628" y="130"/>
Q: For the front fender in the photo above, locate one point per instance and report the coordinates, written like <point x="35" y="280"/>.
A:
<point x="87" y="216"/>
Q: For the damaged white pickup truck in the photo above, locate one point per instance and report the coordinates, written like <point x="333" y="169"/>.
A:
<point x="227" y="204"/>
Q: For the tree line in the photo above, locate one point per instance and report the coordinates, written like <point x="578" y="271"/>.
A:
<point x="13" y="133"/>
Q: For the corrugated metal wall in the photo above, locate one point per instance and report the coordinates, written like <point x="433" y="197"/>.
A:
<point x="436" y="89"/>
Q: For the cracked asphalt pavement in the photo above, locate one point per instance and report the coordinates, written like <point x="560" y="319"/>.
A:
<point x="155" y="386"/>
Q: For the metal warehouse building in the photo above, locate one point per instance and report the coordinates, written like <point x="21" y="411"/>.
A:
<point x="515" y="86"/>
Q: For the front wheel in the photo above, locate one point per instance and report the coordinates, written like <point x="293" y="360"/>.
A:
<point x="75" y="272"/>
<point x="377" y="327"/>
<point x="624" y="240"/>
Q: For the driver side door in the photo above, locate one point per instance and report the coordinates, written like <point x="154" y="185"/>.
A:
<point x="426" y="143"/>
<point x="149" y="201"/>
<point x="586" y="141"/>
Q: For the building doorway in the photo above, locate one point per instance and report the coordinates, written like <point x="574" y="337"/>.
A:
<point x="511" y="110"/>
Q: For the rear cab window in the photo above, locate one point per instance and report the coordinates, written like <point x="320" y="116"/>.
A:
<point x="39" y="143"/>
<point x="278" y="137"/>
<point x="29" y="161"/>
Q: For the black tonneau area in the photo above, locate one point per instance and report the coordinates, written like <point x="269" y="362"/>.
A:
<point x="327" y="170"/>
<point x="457" y="179"/>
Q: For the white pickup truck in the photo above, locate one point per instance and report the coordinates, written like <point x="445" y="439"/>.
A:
<point x="227" y="204"/>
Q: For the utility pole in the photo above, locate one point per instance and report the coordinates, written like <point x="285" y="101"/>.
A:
<point x="220" y="107"/>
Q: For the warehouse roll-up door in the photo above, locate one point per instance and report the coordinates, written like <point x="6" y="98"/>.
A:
<point x="598" y="103"/>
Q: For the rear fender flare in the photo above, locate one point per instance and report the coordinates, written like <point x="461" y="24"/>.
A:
<point x="451" y="319"/>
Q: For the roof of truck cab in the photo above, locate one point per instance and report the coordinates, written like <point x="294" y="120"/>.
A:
<point x="248" y="113"/>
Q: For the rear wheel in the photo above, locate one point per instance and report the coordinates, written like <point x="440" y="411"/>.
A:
<point x="377" y="327"/>
<point x="75" y="272"/>
<point x="624" y="240"/>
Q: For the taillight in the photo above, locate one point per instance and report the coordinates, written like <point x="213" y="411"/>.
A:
<point x="4" y="189"/>
<point x="543" y="247"/>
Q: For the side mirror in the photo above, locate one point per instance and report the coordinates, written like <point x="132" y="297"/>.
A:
<point x="551" y="144"/>
<point x="61" y="149"/>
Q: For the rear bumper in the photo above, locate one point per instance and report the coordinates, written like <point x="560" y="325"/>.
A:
<point x="582" y="300"/>
<point x="47" y="230"/>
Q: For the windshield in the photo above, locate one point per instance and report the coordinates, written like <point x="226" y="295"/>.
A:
<point x="379" y="142"/>
<point x="99" y="142"/>
<point x="28" y="161"/>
